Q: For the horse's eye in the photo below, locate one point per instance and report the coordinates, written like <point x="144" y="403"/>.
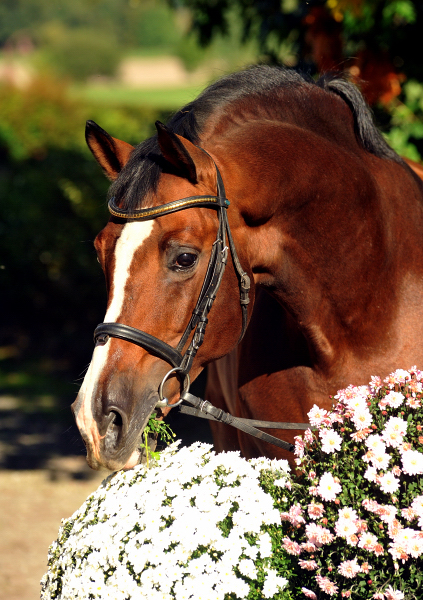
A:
<point x="186" y="260"/>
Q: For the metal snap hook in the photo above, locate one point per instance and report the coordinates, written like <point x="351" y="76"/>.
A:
<point x="163" y="402"/>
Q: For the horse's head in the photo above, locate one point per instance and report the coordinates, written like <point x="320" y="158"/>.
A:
<point x="156" y="269"/>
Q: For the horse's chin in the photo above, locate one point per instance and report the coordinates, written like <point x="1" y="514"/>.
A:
<point x="133" y="460"/>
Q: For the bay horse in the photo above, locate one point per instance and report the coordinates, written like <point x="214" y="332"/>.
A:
<point x="322" y="218"/>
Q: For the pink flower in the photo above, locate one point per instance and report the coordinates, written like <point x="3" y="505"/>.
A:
<point x="375" y="383"/>
<point x="291" y="547"/>
<point x="417" y="505"/>
<point x="362" y="418"/>
<point x="328" y="488"/>
<point x="408" y="513"/>
<point x="365" y="567"/>
<point x="308" y="436"/>
<point x="348" y="513"/>
<point x="309" y="593"/>
<point x="315" y="511"/>
<point x="310" y="565"/>
<point x="381" y="461"/>
<point x="349" y="568"/>
<point x="299" y="446"/>
<point x="370" y="474"/>
<point x="378" y="596"/>
<point x="391" y="594"/>
<point x="316" y="415"/>
<point x="413" y="402"/>
<point x="368" y="541"/>
<point x="326" y="585"/>
<point x="375" y="442"/>
<point x="308" y="547"/>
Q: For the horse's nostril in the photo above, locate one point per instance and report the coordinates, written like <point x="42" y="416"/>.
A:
<point x="116" y="420"/>
<point x="116" y="427"/>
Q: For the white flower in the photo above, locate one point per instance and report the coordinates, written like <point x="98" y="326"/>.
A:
<point x="331" y="440"/>
<point x="375" y="442"/>
<point x="394" y="431"/>
<point x="362" y="418"/>
<point x="389" y="483"/>
<point x="273" y="583"/>
<point x="136" y="535"/>
<point x="394" y="399"/>
<point x="328" y="488"/>
<point x="412" y="462"/>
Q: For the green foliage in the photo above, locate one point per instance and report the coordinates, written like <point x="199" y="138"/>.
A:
<point x="406" y="133"/>
<point x="53" y="205"/>
<point x="157" y="428"/>
<point x="83" y="53"/>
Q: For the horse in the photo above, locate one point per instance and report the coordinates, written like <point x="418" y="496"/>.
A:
<point x="288" y="182"/>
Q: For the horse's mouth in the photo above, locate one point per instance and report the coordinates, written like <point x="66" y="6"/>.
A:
<point x="118" y="444"/>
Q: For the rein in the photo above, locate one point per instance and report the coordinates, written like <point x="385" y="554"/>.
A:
<point x="182" y="363"/>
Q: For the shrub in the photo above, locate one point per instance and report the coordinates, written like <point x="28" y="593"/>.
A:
<point x="200" y="525"/>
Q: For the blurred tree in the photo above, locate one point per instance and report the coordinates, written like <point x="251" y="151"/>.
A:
<point x="53" y="205"/>
<point x="375" y="41"/>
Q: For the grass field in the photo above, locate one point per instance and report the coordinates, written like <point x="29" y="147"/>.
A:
<point x="114" y="94"/>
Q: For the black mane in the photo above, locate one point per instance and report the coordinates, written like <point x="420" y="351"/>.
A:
<point x="142" y="172"/>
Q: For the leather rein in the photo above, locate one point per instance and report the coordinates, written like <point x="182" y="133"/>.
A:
<point x="182" y="363"/>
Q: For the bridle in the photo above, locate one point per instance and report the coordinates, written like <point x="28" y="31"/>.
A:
<point x="216" y="267"/>
<point x="182" y="363"/>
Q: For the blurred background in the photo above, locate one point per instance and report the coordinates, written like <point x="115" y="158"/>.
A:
<point x="124" y="64"/>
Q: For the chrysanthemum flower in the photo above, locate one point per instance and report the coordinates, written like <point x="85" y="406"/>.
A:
<point x="394" y="431"/>
<point x="308" y="593"/>
<point x="331" y="441"/>
<point x="394" y="399"/>
<point x="328" y="488"/>
<point x="309" y="565"/>
<point x="362" y="418"/>
<point x="389" y="483"/>
<point x="316" y="415"/>
<point x="368" y="541"/>
<point x="349" y="568"/>
<point x="326" y="585"/>
<point x="315" y="511"/>
<point x="344" y="528"/>
<point x="412" y="462"/>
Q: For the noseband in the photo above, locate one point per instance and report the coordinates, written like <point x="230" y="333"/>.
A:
<point x="216" y="267"/>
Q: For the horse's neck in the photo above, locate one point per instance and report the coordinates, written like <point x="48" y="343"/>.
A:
<point x="333" y="245"/>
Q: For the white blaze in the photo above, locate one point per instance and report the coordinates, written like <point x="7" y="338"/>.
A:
<point x="132" y="237"/>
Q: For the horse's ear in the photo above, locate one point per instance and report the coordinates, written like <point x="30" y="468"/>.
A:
<point x="177" y="150"/>
<point x="111" y="154"/>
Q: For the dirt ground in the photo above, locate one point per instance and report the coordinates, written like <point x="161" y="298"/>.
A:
<point x="31" y="508"/>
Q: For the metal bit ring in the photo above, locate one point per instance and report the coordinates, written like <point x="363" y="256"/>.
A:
<point x="163" y="402"/>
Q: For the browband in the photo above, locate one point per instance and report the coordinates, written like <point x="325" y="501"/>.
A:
<point x="164" y="209"/>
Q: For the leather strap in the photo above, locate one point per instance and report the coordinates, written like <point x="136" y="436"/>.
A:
<point x="145" y="214"/>
<point x="140" y="338"/>
<point x="195" y="412"/>
<point x="223" y="417"/>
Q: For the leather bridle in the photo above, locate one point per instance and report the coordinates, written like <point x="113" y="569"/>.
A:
<point x="212" y="280"/>
<point x="182" y="363"/>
